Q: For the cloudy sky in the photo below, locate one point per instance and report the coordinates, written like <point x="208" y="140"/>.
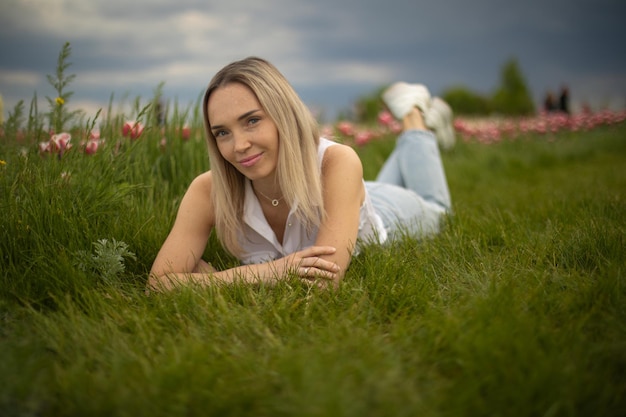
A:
<point x="332" y="51"/>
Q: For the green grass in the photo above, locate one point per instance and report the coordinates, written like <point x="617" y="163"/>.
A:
<point x="518" y="308"/>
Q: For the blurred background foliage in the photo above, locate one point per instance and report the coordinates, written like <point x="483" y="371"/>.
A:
<point x="512" y="97"/>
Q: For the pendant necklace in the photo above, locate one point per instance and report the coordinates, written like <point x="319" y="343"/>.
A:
<point x="274" y="201"/>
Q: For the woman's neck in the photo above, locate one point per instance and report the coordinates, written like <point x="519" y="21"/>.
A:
<point x="269" y="192"/>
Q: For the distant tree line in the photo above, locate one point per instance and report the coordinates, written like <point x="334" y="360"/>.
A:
<point x="511" y="98"/>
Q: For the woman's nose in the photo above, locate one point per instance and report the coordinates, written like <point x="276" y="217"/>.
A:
<point x="242" y="142"/>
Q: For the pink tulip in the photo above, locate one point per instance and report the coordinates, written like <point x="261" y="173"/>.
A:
<point x="133" y="129"/>
<point x="60" y="142"/>
<point x="346" y="128"/>
<point x="385" y="118"/>
<point x="44" y="147"/>
<point x="92" y="145"/>
<point x="185" y="133"/>
<point x="363" y="137"/>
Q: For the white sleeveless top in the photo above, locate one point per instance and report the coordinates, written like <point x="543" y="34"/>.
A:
<point x="259" y="243"/>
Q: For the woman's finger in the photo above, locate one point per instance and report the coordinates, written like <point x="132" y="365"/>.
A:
<point x="312" y="273"/>
<point x="320" y="264"/>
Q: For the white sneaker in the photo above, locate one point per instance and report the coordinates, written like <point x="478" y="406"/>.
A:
<point x="401" y="97"/>
<point x="439" y="118"/>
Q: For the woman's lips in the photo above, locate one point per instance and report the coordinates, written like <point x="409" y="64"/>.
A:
<point x="248" y="162"/>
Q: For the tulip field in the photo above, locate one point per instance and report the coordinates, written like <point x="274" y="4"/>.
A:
<point x="517" y="308"/>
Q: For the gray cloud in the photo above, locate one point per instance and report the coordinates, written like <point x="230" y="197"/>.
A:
<point x="331" y="50"/>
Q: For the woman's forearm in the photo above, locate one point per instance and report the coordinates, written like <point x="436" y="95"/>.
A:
<point x="208" y="275"/>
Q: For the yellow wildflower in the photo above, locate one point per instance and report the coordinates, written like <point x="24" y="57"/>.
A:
<point x="60" y="101"/>
<point x="3" y="162"/>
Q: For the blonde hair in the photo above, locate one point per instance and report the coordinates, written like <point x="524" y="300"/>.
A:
<point x="298" y="173"/>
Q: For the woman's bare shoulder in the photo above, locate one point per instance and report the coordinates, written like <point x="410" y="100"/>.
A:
<point x="198" y="196"/>
<point x="204" y="180"/>
<point x="201" y="185"/>
<point x="342" y="155"/>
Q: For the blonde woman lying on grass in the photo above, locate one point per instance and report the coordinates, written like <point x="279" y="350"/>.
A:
<point x="287" y="202"/>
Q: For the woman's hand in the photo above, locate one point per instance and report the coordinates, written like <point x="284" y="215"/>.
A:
<point x="309" y="264"/>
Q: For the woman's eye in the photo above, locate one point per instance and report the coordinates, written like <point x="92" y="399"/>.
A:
<point x="219" y="133"/>
<point x="254" y="120"/>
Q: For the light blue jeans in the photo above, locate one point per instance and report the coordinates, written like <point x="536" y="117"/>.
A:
<point x="411" y="192"/>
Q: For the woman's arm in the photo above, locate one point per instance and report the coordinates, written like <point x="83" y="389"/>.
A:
<point x="184" y="246"/>
<point x="344" y="193"/>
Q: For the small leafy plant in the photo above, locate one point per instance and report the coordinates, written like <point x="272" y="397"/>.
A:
<point x="59" y="116"/>
<point x="107" y="260"/>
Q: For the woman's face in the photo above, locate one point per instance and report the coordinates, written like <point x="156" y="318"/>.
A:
<point x="245" y="135"/>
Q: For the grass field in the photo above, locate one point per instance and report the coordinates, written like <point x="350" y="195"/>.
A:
<point x="518" y="308"/>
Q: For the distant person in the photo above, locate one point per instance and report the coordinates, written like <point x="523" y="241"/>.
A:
<point x="289" y="203"/>
<point x="564" y="100"/>
<point x="549" y="104"/>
